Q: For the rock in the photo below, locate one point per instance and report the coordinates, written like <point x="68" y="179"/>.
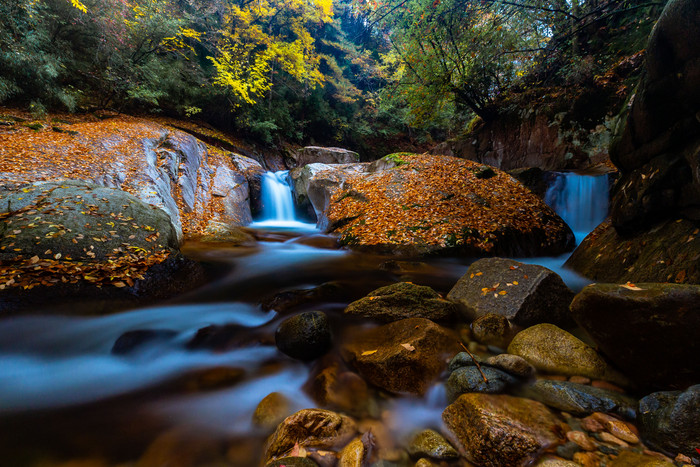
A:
<point x="526" y="294"/>
<point x="219" y="337"/>
<point x="131" y="341"/>
<point x="71" y="238"/>
<point x="293" y="462"/>
<point x="271" y="411"/>
<point x="622" y="431"/>
<point x="218" y="232"/>
<point x="430" y="443"/>
<point x="500" y="430"/>
<point x="552" y="461"/>
<point x="290" y="299"/>
<point x="402" y="300"/>
<point x="353" y="455"/>
<point x="512" y="364"/>
<point x="588" y="459"/>
<point x="463" y="359"/>
<point x="667" y="315"/>
<point x="344" y="391"/>
<point x="553" y="350"/>
<point x="470" y="379"/>
<point x="181" y="447"/>
<point x="580" y="399"/>
<point x="315" y="154"/>
<point x="305" y="336"/>
<point x="634" y="459"/>
<point x="669" y="421"/>
<point x="403" y="357"/>
<point x="533" y="178"/>
<point x="581" y="439"/>
<point x="493" y="329"/>
<point x="312" y="428"/>
<point x="435" y="214"/>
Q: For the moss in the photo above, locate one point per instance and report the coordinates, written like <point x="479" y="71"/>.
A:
<point x="396" y="158"/>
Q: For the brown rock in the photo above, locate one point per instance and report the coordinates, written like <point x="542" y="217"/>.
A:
<point x="581" y="439"/>
<point x="315" y="428"/>
<point x="587" y="459"/>
<point x="353" y="455"/>
<point x="344" y="391"/>
<point x="403" y="357"/>
<point x="634" y="459"/>
<point x="622" y="430"/>
<point x="271" y="410"/>
<point x="591" y="424"/>
<point x="580" y="380"/>
<point x="608" y="438"/>
<point x="498" y="430"/>
<point x="181" y="447"/>
<point x="493" y="329"/>
<point x="553" y="461"/>
<point x="513" y="364"/>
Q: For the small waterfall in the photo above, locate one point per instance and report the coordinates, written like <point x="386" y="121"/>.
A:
<point x="278" y="204"/>
<point x="581" y="200"/>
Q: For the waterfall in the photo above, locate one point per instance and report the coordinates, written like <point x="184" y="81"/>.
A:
<point x="278" y="204"/>
<point x="581" y="200"/>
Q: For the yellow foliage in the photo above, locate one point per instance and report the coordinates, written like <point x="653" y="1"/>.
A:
<point x="79" y="5"/>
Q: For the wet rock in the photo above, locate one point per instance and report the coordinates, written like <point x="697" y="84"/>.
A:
<point x="498" y="430"/>
<point x="218" y="232"/>
<point x="553" y="350"/>
<point x="667" y="315"/>
<point x="208" y="379"/>
<point x="463" y="359"/>
<point x="293" y="462"/>
<point x="404" y="356"/>
<point x="353" y="455"/>
<point x="311" y="428"/>
<point x="581" y="439"/>
<point x="567" y="450"/>
<point x="470" y="379"/>
<point x="430" y="443"/>
<point x="580" y="399"/>
<point x="344" y="391"/>
<point x="131" y="341"/>
<point x="622" y="431"/>
<point x="634" y="459"/>
<point x="669" y="420"/>
<point x="288" y="300"/>
<point x="493" y="329"/>
<point x="219" y="337"/>
<point x="316" y="154"/>
<point x="533" y="178"/>
<point x="526" y="294"/>
<point x="182" y="447"/>
<point x="552" y="461"/>
<point x="305" y="336"/>
<point x="402" y="300"/>
<point x="588" y="459"/>
<point x="271" y="411"/>
<point x="512" y="364"/>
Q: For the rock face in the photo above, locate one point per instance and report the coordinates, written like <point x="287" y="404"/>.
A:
<point x="656" y="151"/>
<point x="669" y="421"/>
<point x="553" y="350"/>
<point x="438" y="205"/>
<point x="310" y="428"/>
<point x="645" y="326"/>
<point x="501" y="430"/>
<point x="305" y="336"/>
<point x="402" y="300"/>
<point x="70" y="238"/>
<point x="321" y="155"/>
<point x="403" y="357"/>
<point x="526" y="294"/>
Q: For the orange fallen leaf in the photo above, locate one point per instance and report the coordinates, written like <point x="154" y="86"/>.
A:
<point x="408" y="347"/>
<point x="368" y="352"/>
<point x="631" y="286"/>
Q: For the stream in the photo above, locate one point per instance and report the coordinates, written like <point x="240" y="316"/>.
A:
<point x="65" y="395"/>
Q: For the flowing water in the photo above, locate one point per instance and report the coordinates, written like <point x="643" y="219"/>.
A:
<point x="64" y="394"/>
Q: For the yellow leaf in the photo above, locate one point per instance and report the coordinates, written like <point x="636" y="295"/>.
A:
<point x="119" y="284"/>
<point x="408" y="347"/>
<point x="502" y="292"/>
<point x="34" y="259"/>
<point x="368" y="352"/>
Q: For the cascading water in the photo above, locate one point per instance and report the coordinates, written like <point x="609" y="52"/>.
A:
<point x="581" y="200"/>
<point x="278" y="204"/>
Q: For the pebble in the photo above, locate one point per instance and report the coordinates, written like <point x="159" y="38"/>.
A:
<point x="683" y="459"/>
<point x="567" y="450"/>
<point x="603" y="418"/>
<point x="606" y="385"/>
<point x="608" y="438"/>
<point x="591" y="424"/>
<point x="622" y="430"/>
<point x="580" y="380"/>
<point x="587" y="459"/>
<point x="581" y="439"/>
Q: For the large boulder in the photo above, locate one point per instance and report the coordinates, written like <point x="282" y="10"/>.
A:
<point x="402" y="357"/>
<point x="67" y="239"/>
<point x="495" y="431"/>
<point x="323" y="155"/>
<point x="648" y="330"/>
<point x="305" y="336"/>
<point x="656" y="149"/>
<point x="439" y="205"/>
<point x="669" y="421"/>
<point x="402" y="300"/>
<point x="553" y="350"/>
<point x="526" y="294"/>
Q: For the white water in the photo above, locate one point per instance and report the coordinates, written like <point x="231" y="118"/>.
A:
<point x="278" y="204"/>
<point x="581" y="200"/>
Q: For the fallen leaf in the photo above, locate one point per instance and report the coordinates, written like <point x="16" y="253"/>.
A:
<point x="368" y="352"/>
<point x="119" y="284"/>
<point x="631" y="286"/>
<point x="58" y="256"/>
<point x="502" y="292"/>
<point x="408" y="347"/>
<point x="513" y="268"/>
<point x="34" y="259"/>
<point x="479" y="273"/>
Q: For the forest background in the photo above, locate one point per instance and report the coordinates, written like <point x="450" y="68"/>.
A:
<point x="375" y="76"/>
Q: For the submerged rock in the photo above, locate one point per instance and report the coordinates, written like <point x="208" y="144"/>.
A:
<point x="525" y="294"/>
<point x="648" y="330"/>
<point x="271" y="411"/>
<point x="580" y="399"/>
<point x="131" y="341"/>
<point x="469" y="379"/>
<point x="403" y="357"/>
<point x="344" y="391"/>
<point x="305" y="336"/>
<point x="512" y="364"/>
<point x="313" y="428"/>
<point x="553" y="350"/>
<point x="669" y="421"/>
<point x="402" y="300"/>
<point x="493" y="329"/>
<point x="496" y="431"/>
<point x="430" y="443"/>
